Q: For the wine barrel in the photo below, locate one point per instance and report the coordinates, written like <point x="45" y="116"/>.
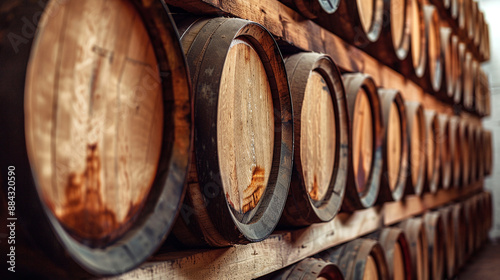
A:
<point x="415" y="120"/>
<point x="432" y="32"/>
<point x="243" y="143"/>
<point x="443" y="142"/>
<point x="475" y="151"/>
<point x="321" y="139"/>
<point x="488" y="152"/>
<point x="315" y="8"/>
<point x="463" y="14"/>
<point x="489" y="211"/>
<point x="468" y="83"/>
<point x="310" y="269"/>
<point x="469" y="22"/>
<point x="432" y="162"/>
<point x="470" y="218"/>
<point x="449" y="48"/>
<point x="358" y="22"/>
<point x="393" y="46"/>
<point x="395" y="163"/>
<point x="459" y="86"/>
<point x="449" y="241"/>
<point x="435" y="229"/>
<point x="397" y="252"/>
<point x="456" y="151"/>
<point x="460" y="232"/>
<point x="471" y="27"/>
<point x="478" y="27"/>
<point x="366" y="140"/>
<point x="480" y="212"/>
<point x="359" y="259"/>
<point x="481" y="47"/>
<point x="101" y="156"/>
<point x="487" y="42"/>
<point x="416" y="234"/>
<point x="446" y="4"/>
<point x="464" y="132"/>
<point x="418" y="38"/>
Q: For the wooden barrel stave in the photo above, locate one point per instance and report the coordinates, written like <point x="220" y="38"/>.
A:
<point x="445" y="150"/>
<point x="449" y="241"/>
<point x="363" y="105"/>
<point x="315" y="77"/>
<point x="434" y="72"/>
<point x="314" y="8"/>
<point x="460" y="230"/>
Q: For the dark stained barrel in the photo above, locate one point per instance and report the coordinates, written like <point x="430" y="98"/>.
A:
<point x="416" y="234"/>
<point x="395" y="170"/>
<point x="435" y="229"/>
<point x="242" y="159"/>
<point x="310" y="269"/>
<point x="397" y="252"/>
<point x="433" y="159"/>
<point x="100" y="141"/>
<point x="321" y="139"/>
<point x="366" y="140"/>
<point x="415" y="120"/>
<point x="359" y="259"/>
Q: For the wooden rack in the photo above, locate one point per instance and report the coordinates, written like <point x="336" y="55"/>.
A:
<point x="287" y="247"/>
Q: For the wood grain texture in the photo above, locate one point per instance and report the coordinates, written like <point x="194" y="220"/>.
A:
<point x="245" y="139"/>
<point x="394" y="145"/>
<point x="363" y="138"/>
<point x="417" y="142"/>
<point x="94" y="138"/>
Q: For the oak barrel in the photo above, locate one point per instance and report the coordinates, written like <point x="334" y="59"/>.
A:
<point x="470" y="220"/>
<point x="454" y="9"/>
<point x="456" y="151"/>
<point x="415" y="120"/>
<point x="433" y="34"/>
<point x="397" y="252"/>
<point x="433" y="159"/>
<point x="310" y="269"/>
<point x="459" y="86"/>
<point x="243" y="136"/>
<point x="315" y="8"/>
<point x="418" y="38"/>
<point x="449" y="235"/>
<point x="460" y="231"/>
<point x="468" y="70"/>
<point x="443" y="142"/>
<point x="359" y="259"/>
<point x="103" y="154"/>
<point x="449" y="54"/>
<point x="357" y="21"/>
<point x="435" y="228"/>
<point x="488" y="152"/>
<point x="321" y="139"/>
<point x="365" y="141"/>
<point x="475" y="152"/>
<point x="395" y="148"/>
<point x="416" y="235"/>
<point x="465" y="141"/>
<point x="393" y="46"/>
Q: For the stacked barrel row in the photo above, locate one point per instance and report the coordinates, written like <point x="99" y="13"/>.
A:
<point x="435" y="245"/>
<point x="129" y="128"/>
<point x="438" y="44"/>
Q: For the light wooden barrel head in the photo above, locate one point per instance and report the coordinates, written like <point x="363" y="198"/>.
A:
<point x="94" y="115"/>
<point x="398" y="263"/>
<point x="245" y="121"/>
<point x="398" y="20"/>
<point x="366" y="10"/>
<point x="416" y="32"/>
<point x="362" y="140"/>
<point x="416" y="152"/>
<point x="394" y="146"/>
<point x="371" y="270"/>
<point x="317" y="136"/>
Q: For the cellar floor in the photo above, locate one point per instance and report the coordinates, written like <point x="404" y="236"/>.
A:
<point x="485" y="264"/>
